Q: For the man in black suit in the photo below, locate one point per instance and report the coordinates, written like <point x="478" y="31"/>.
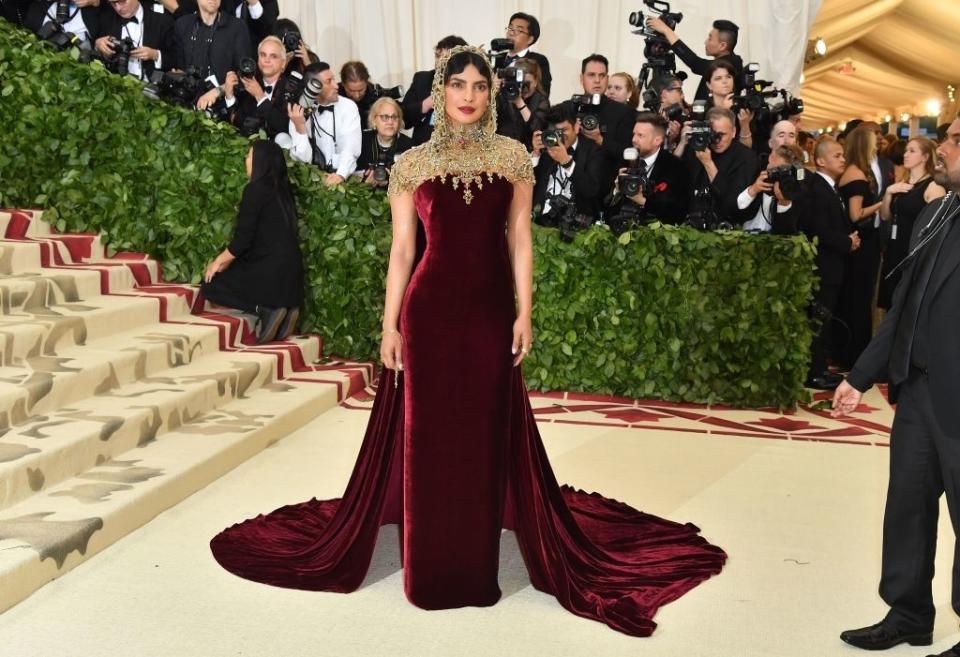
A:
<point x="259" y="102"/>
<point x="917" y="347"/>
<point x="824" y="217"/>
<point x="774" y="208"/>
<point x="664" y="197"/>
<point x="212" y="43"/>
<point x="571" y="169"/>
<point x="83" y="18"/>
<point x="524" y="31"/>
<point x="151" y="32"/>
<point x="719" y="44"/>
<point x="417" y="103"/>
<point x="260" y="16"/>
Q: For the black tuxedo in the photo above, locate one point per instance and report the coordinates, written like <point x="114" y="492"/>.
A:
<point x="736" y="170"/>
<point x="37" y="14"/>
<point x="616" y="126"/>
<point x="272" y="112"/>
<point x="412" y="104"/>
<point x="917" y="345"/>
<point x="669" y="192"/>
<point x="543" y="63"/>
<point x="157" y="34"/>
<point x="15" y="11"/>
<point x="698" y="66"/>
<point x="585" y="180"/>
<point x="824" y="217"/>
<point x="258" y="29"/>
<point x="781" y="223"/>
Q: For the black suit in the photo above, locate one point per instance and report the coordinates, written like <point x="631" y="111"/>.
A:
<point x="585" y="181"/>
<point x="213" y="49"/>
<point x="258" y="29"/>
<point x="669" y="192"/>
<point x="157" y="34"/>
<point x="824" y="217"/>
<point x="37" y="14"/>
<point x="736" y="170"/>
<point x="698" y="65"/>
<point x="920" y="330"/>
<point x="412" y="104"/>
<point x="616" y="126"/>
<point x="543" y="63"/>
<point x="271" y="113"/>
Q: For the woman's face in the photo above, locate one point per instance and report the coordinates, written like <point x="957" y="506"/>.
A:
<point x="387" y="121"/>
<point x="914" y="156"/>
<point x="249" y="162"/>
<point x="466" y="95"/>
<point x="617" y="89"/>
<point x="721" y="83"/>
<point x="529" y="85"/>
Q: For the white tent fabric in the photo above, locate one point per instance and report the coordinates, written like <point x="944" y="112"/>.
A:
<point x="884" y="57"/>
<point x="395" y="38"/>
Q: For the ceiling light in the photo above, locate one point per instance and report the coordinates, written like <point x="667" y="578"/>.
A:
<point x="933" y="107"/>
<point x="887" y="118"/>
<point x="905" y="117"/>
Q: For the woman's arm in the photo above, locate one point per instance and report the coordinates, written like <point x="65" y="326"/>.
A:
<point x="858" y="212"/>
<point x="520" y="246"/>
<point x="402" y="252"/>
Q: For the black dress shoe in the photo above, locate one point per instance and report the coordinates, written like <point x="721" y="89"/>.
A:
<point x="883" y="635"/>
<point x="949" y="652"/>
<point x="821" y="383"/>
<point x="270" y="320"/>
<point x="289" y="324"/>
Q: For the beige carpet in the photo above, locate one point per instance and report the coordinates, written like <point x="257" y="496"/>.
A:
<point x="799" y="517"/>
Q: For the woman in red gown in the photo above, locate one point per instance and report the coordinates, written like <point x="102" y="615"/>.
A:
<point x="452" y="452"/>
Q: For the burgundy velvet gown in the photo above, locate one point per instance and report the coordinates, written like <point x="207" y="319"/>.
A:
<point x="453" y="455"/>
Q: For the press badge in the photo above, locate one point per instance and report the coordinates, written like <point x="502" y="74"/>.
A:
<point x="893" y="232"/>
<point x="158" y="8"/>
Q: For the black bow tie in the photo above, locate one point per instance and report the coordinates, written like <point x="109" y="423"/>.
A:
<point x="570" y="151"/>
<point x="132" y="19"/>
<point x="267" y="88"/>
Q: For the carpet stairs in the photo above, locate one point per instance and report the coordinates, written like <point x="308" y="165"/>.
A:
<point x="121" y="395"/>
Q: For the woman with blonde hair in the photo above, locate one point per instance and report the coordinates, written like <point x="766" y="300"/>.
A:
<point x="383" y="141"/>
<point x="901" y="205"/>
<point x="622" y="88"/>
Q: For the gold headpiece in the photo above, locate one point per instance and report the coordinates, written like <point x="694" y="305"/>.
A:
<point x="444" y="131"/>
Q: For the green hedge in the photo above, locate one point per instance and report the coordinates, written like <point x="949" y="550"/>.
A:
<point x="660" y="312"/>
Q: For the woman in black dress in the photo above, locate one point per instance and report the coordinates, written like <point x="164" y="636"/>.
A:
<point x="902" y="203"/>
<point x="261" y="272"/>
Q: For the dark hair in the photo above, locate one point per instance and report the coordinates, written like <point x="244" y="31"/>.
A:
<point x="315" y="68"/>
<point x="716" y="65"/>
<point x="562" y="113"/>
<point x="658" y="122"/>
<point x="942" y="130"/>
<point x="285" y="25"/>
<point x="270" y="168"/>
<point x="665" y="81"/>
<point x="533" y="25"/>
<point x="896" y="150"/>
<point x="354" y="72"/>
<point x="448" y="42"/>
<point x="462" y="60"/>
<point x="593" y="58"/>
<point x="727" y="32"/>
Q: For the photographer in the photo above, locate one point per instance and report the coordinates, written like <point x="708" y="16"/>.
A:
<point x="568" y="172"/>
<point x="673" y="107"/>
<point x="261" y="98"/>
<point x="382" y="143"/>
<point x="81" y="17"/>
<point x="719" y="165"/>
<point x="211" y="43"/>
<point x="664" y="185"/>
<point x="355" y="84"/>
<point x="136" y="40"/>
<point x="522" y="109"/>
<point x="719" y="44"/>
<point x="258" y="16"/>
<point x="330" y="137"/>
<point x="824" y="218"/>
<point x="299" y="55"/>
<point x="771" y="207"/>
<point x="417" y="103"/>
<point x="524" y="31"/>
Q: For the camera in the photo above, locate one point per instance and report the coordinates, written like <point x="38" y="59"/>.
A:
<point x="54" y="34"/>
<point x="789" y="178"/>
<point x="247" y="68"/>
<point x="512" y="82"/>
<point x="291" y="40"/>
<point x="63" y="11"/>
<point x="121" y="54"/>
<point x="499" y="49"/>
<point x="552" y="137"/>
<point x="564" y="215"/>
<point x="291" y="88"/>
<point x="179" y="88"/>
<point x="309" y="97"/>
<point x="381" y="166"/>
<point x="703" y="213"/>
<point x="662" y="10"/>
<point x="675" y="112"/>
<point x="702" y="135"/>
<point x="632" y="181"/>
<point x="585" y="112"/>
<point x="659" y="58"/>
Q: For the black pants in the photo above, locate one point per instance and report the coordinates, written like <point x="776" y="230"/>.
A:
<point x="221" y="294"/>
<point x="825" y="304"/>
<point x="924" y="464"/>
<point x="856" y="299"/>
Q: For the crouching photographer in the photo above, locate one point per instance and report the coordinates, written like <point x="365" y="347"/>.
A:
<point x="720" y="167"/>
<point x="769" y="204"/>
<point x="655" y="184"/>
<point x="382" y="142"/>
<point x="135" y="40"/>
<point x="568" y="171"/>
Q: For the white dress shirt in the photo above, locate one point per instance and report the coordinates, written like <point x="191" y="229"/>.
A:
<point x="75" y="24"/>
<point x="760" y="221"/>
<point x="256" y="10"/>
<point x="337" y="134"/>
<point x="134" y="30"/>
<point x="560" y="182"/>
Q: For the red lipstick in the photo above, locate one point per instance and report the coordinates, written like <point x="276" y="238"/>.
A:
<point x="466" y="109"/>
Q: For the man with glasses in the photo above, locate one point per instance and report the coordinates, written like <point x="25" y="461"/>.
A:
<point x="524" y="31"/>
<point x="417" y="103"/>
<point x="671" y="96"/>
<point x="151" y="32"/>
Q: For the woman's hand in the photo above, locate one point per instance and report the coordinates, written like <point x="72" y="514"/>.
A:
<point x="391" y="350"/>
<point x="522" y="339"/>
<point x="899" y="188"/>
<point x="215" y="268"/>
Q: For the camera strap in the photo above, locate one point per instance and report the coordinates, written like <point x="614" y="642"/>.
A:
<point x="54" y="17"/>
<point x="194" y="37"/>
